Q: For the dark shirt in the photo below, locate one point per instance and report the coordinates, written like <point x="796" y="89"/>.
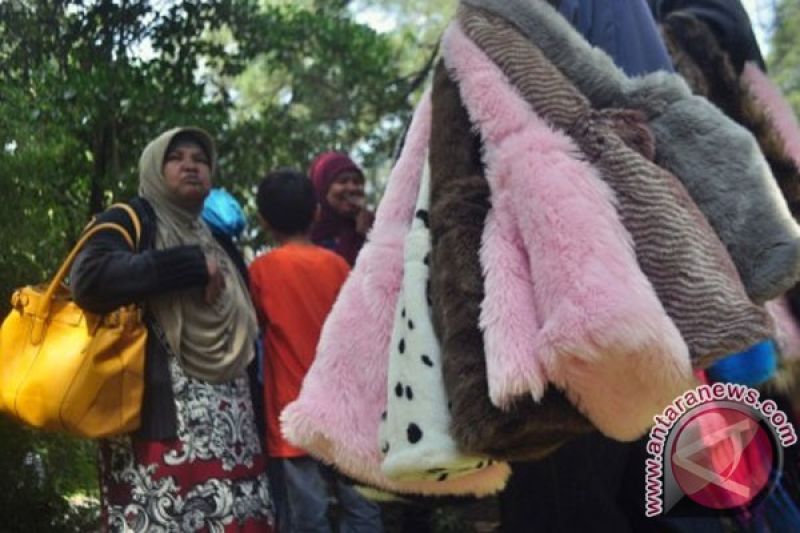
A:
<point x="624" y="29"/>
<point x="108" y="274"/>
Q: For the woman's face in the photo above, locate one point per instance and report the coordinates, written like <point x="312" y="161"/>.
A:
<point x="346" y="194"/>
<point x="187" y="171"/>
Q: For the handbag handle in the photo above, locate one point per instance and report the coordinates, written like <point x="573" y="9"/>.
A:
<point x="40" y="315"/>
<point x="137" y="226"/>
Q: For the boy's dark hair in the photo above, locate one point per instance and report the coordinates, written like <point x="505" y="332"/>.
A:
<point x="286" y="200"/>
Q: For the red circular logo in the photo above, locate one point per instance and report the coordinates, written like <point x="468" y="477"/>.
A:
<point x="722" y="458"/>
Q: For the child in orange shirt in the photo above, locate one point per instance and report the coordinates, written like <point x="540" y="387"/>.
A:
<point x="294" y="287"/>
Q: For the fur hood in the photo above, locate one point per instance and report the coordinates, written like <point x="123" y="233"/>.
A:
<point x="591" y="316"/>
<point x="717" y="160"/>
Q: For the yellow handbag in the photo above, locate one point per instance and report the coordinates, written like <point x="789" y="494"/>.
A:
<point x="65" y="369"/>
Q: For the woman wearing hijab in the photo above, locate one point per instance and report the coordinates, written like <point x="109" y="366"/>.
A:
<point x="195" y="463"/>
<point x="344" y="220"/>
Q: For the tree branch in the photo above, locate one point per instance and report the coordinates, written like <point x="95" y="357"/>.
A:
<point x="419" y="77"/>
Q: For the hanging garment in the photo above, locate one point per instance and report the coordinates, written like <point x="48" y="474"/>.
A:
<point x="742" y="95"/>
<point x="787" y="331"/>
<point x="459" y="206"/>
<point x="717" y="160"/>
<point x="337" y="414"/>
<point x="676" y="248"/>
<point x="778" y="109"/>
<point x="785" y="128"/>
<point x="414" y="434"/>
<point x="742" y="89"/>
<point x="743" y="92"/>
<point x="603" y="335"/>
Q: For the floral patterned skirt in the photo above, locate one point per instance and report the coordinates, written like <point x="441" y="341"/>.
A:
<point x="210" y="479"/>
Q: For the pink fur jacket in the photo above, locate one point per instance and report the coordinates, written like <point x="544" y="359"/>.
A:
<point x="566" y="301"/>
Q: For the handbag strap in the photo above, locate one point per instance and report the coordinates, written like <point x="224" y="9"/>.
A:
<point x="137" y="225"/>
<point x="40" y="315"/>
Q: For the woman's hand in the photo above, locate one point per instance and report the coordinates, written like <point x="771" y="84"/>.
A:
<point x="216" y="281"/>
<point x="364" y="221"/>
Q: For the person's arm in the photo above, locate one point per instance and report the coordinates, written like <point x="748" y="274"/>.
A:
<point x="107" y="273"/>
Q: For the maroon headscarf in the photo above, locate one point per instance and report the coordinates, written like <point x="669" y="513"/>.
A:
<point x="333" y="230"/>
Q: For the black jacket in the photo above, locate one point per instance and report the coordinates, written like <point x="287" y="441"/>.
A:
<point x="107" y="274"/>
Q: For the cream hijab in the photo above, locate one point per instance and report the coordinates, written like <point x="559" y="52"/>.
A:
<point x="212" y="342"/>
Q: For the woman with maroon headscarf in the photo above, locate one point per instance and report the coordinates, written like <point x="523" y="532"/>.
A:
<point x="344" y="220"/>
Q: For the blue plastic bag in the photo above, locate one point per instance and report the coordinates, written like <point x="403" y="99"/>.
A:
<point x="223" y="213"/>
<point x="751" y="367"/>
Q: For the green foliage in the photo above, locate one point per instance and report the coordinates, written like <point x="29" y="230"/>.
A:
<point x="38" y="471"/>
<point x="784" y="58"/>
<point x="316" y="83"/>
<point x="419" y="21"/>
<point x="85" y="84"/>
<point x="77" y="104"/>
<point x="319" y="81"/>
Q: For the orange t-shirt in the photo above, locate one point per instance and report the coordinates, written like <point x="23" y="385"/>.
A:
<point x="293" y="289"/>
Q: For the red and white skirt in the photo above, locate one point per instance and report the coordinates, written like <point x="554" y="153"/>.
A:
<point x="210" y="479"/>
